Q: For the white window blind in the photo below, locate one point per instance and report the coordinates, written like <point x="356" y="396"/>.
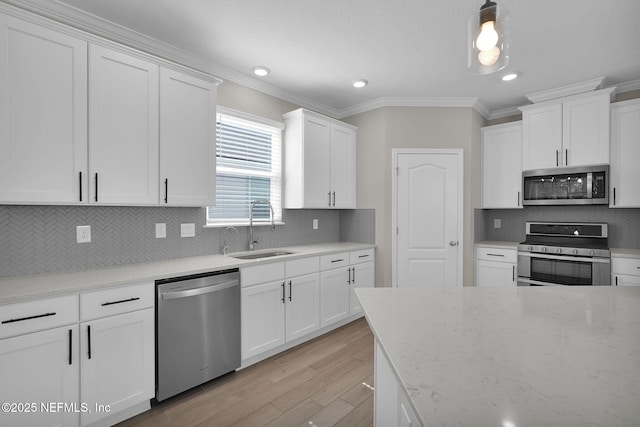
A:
<point x="248" y="167"/>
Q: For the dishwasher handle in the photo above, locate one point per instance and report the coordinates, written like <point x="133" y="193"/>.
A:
<point x="200" y="291"/>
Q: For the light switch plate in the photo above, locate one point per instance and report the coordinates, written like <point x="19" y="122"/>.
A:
<point x="161" y="230"/>
<point x="315" y="224"/>
<point x="187" y="230"/>
<point x="497" y="223"/>
<point x="83" y="234"/>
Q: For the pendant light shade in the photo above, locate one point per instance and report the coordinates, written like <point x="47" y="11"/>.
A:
<point x="488" y="40"/>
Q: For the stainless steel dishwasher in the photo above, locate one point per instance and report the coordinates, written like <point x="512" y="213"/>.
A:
<point x="197" y="330"/>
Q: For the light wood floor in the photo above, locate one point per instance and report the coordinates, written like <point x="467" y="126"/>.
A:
<point x="324" y="382"/>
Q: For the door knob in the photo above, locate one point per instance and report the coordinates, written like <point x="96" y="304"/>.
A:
<point x="453" y="243"/>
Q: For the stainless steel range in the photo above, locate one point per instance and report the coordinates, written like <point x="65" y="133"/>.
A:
<point x="559" y="253"/>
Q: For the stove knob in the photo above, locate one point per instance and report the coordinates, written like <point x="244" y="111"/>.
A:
<point x="575" y="252"/>
<point x="559" y="250"/>
<point x="544" y="249"/>
<point x="592" y="252"/>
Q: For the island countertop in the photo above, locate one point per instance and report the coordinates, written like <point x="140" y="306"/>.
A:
<point x="522" y="356"/>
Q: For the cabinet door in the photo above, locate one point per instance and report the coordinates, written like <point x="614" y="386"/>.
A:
<point x="491" y="273"/>
<point x="343" y="170"/>
<point x="625" y="152"/>
<point x="302" y="311"/>
<point x="187" y="140"/>
<point x="626" y="280"/>
<point x="262" y="318"/>
<point x="42" y="368"/>
<point x="334" y="295"/>
<point x="117" y="363"/>
<point x="317" y="162"/>
<point x="123" y="128"/>
<point x="362" y="276"/>
<point x="43" y="114"/>
<point x="502" y="166"/>
<point x="542" y="137"/>
<point x="585" y="138"/>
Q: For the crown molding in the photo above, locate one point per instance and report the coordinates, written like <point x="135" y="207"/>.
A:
<point x="412" y="102"/>
<point x="628" y="86"/>
<point x="564" y="91"/>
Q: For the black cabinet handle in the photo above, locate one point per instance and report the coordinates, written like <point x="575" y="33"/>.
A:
<point x="120" y="301"/>
<point x="283" y="292"/>
<point x="518" y="199"/>
<point x="353" y="280"/>
<point x="557" y="158"/>
<point x="363" y="256"/>
<point x="334" y="198"/>
<point x="89" y="341"/>
<point x="96" y="180"/>
<point x="166" y="190"/>
<point x="566" y="157"/>
<point x="490" y="254"/>
<point x="20" y="319"/>
<point x="329" y="198"/>
<point x="80" y="183"/>
<point x="348" y="276"/>
<point x="614" y="196"/>
<point x="70" y="346"/>
<point x="290" y="291"/>
<point x="338" y="260"/>
<point x="513" y="275"/>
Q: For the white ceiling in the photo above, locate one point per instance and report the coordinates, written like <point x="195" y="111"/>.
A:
<point x="409" y="50"/>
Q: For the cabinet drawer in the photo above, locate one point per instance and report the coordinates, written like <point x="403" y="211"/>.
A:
<point x="25" y="317"/>
<point x="496" y="254"/>
<point x="328" y="262"/>
<point x="357" y="257"/>
<point x="261" y="274"/>
<point x="300" y="267"/>
<point x="628" y="266"/>
<point x="108" y="302"/>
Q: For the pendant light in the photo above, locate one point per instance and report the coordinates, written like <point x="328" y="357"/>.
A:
<point x="488" y="47"/>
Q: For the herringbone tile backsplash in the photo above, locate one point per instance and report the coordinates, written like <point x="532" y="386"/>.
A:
<point x="39" y="239"/>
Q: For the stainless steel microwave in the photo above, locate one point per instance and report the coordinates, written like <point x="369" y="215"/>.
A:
<point x="583" y="185"/>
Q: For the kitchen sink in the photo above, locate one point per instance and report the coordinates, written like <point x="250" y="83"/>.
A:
<point x="260" y="255"/>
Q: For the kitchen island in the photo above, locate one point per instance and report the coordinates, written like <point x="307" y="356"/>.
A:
<point x="506" y="357"/>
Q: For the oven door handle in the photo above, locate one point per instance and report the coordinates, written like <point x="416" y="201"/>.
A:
<point x="565" y="257"/>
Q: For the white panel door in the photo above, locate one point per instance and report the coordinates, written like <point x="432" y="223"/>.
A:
<point x="502" y="166"/>
<point x="491" y="273"/>
<point x="317" y="162"/>
<point x="362" y="276"/>
<point x="43" y="114"/>
<point x="343" y="172"/>
<point x="187" y="140"/>
<point x="428" y="214"/>
<point x="41" y="367"/>
<point x="302" y="312"/>
<point x="585" y="130"/>
<point x="118" y="362"/>
<point x="123" y="128"/>
<point x="542" y="137"/>
<point x="625" y="152"/>
<point x="626" y="280"/>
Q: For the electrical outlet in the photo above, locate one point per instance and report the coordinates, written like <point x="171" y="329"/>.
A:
<point x="161" y="230"/>
<point x="187" y="230"/>
<point x="497" y="223"/>
<point x="315" y="224"/>
<point x="83" y="234"/>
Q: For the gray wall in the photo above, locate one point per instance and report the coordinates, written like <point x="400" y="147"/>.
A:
<point x="39" y="239"/>
<point x="624" y="224"/>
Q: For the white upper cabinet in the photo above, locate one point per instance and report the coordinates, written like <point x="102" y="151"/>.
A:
<point x="319" y="162"/>
<point x="43" y="114"/>
<point x="123" y="128"/>
<point x="187" y="139"/>
<point x="571" y="131"/>
<point x="502" y="166"/>
<point x="625" y="153"/>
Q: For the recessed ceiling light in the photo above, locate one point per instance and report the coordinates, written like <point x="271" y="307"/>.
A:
<point x="509" y="77"/>
<point x="261" y="71"/>
<point x="360" y="83"/>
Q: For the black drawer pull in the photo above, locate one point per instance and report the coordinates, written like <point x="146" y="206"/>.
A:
<point x="4" y="322"/>
<point x="338" y="260"/>
<point x="120" y="302"/>
<point x="495" y="254"/>
<point x="363" y="256"/>
<point x="70" y="346"/>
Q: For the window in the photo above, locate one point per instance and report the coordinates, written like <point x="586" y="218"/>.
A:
<point x="248" y="167"/>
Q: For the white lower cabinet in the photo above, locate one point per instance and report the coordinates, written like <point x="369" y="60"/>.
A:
<point x="496" y="266"/>
<point x="341" y="274"/>
<point x="391" y="405"/>
<point x="96" y="372"/>
<point x="281" y="310"/>
<point x="625" y="271"/>
<point x="39" y="363"/>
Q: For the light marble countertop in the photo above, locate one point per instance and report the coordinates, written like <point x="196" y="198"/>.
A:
<point x="532" y="356"/>
<point x="24" y="288"/>
<point x="497" y="244"/>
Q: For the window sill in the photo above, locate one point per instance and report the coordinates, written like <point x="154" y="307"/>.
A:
<point x="240" y="224"/>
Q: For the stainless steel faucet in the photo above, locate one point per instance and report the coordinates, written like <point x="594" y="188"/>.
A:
<point x="224" y="240"/>
<point x="273" y="220"/>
